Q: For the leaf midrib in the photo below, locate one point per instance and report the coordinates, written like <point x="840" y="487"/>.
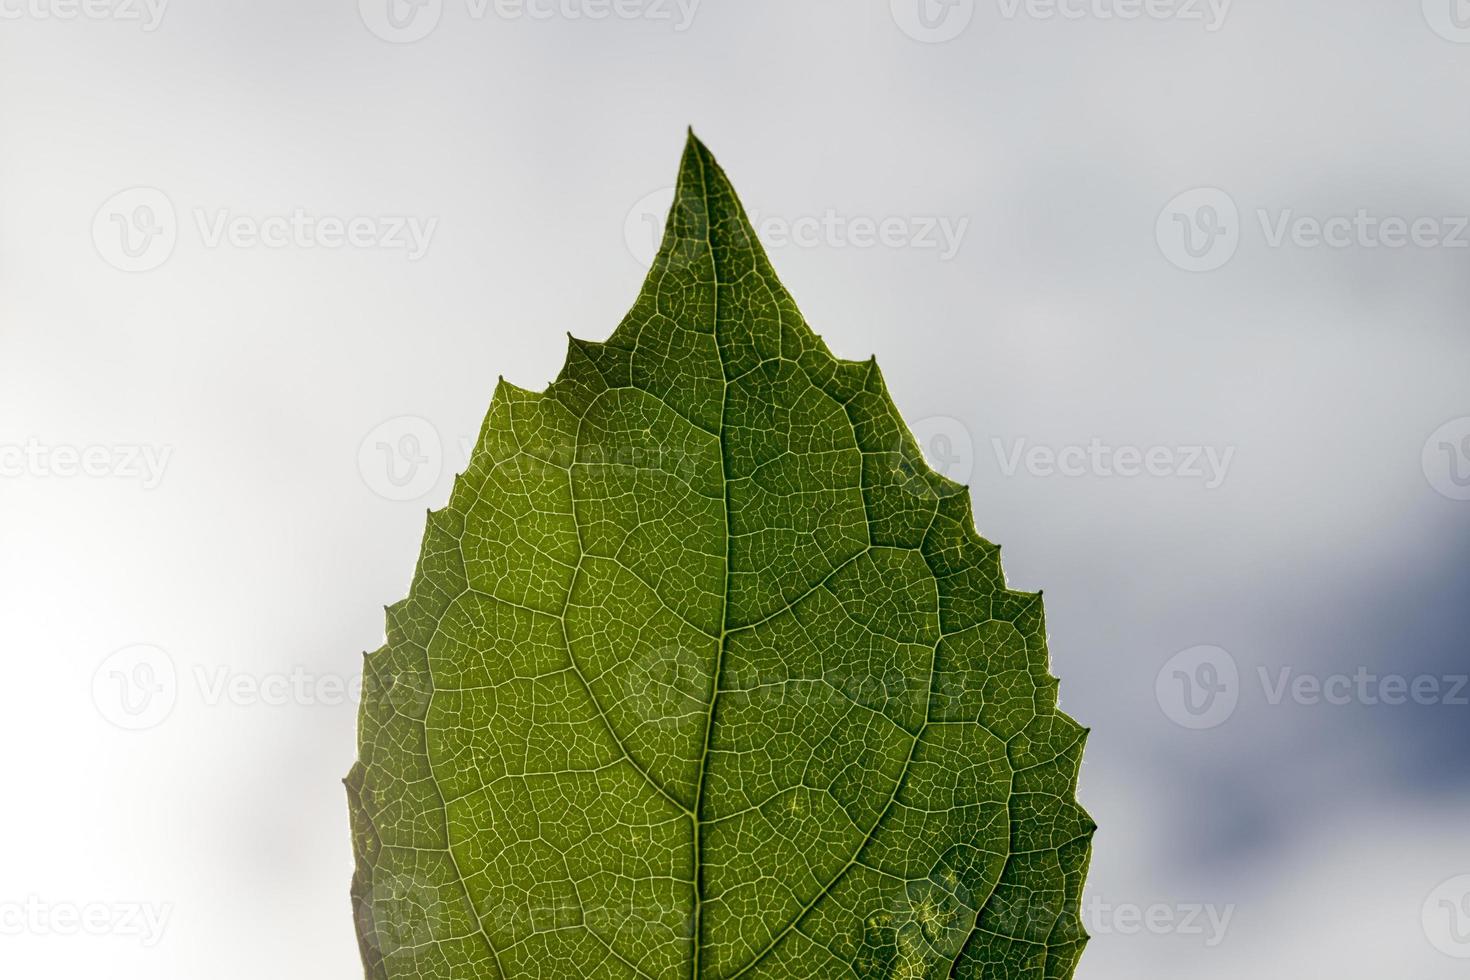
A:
<point x="726" y="631"/>
<point x="701" y="772"/>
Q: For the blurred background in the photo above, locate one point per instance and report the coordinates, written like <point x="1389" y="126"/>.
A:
<point x="1178" y="286"/>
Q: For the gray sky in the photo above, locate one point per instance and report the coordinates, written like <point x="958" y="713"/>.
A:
<point x="1179" y="288"/>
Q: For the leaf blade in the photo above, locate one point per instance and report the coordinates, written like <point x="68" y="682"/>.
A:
<point x="708" y="675"/>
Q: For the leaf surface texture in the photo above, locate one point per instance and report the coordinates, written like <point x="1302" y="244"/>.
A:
<point x="705" y="674"/>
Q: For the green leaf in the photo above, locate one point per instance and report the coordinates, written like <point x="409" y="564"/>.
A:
<point x="705" y="674"/>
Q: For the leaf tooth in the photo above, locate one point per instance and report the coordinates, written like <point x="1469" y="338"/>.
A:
<point x="511" y="388"/>
<point x="585" y="349"/>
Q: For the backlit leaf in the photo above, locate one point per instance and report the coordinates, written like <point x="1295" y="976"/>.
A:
<point x="705" y="674"/>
